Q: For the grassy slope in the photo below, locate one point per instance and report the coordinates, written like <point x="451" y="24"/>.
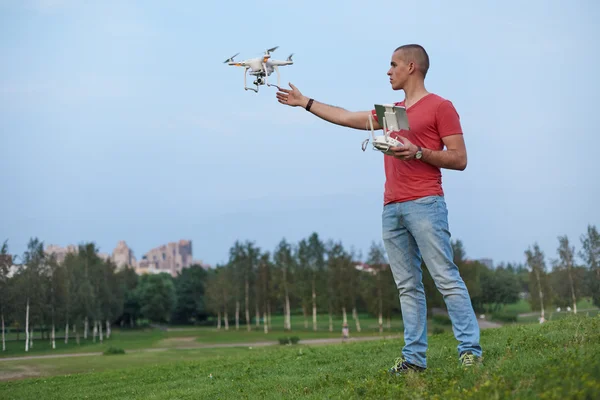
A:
<point x="556" y="360"/>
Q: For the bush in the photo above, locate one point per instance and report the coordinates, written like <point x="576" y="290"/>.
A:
<point x="504" y="316"/>
<point x="437" y="330"/>
<point x="289" y="340"/>
<point x="113" y="350"/>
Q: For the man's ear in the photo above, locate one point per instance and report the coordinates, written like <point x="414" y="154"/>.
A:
<point x="411" y="67"/>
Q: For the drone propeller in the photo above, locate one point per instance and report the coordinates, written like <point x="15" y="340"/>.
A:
<point x="230" y="59"/>
<point x="269" y="51"/>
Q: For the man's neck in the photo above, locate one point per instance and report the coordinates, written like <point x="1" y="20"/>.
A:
<point x="414" y="92"/>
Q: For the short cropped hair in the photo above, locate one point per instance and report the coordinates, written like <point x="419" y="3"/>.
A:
<point x="416" y="53"/>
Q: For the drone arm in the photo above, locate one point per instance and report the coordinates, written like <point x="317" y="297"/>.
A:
<point x="264" y="65"/>
<point x="278" y="76"/>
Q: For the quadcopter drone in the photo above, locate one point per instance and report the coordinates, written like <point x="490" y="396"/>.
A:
<point x="261" y="67"/>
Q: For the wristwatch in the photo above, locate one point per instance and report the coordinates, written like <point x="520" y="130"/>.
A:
<point x="419" y="153"/>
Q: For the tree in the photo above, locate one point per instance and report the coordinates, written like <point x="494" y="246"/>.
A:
<point x="284" y="261"/>
<point x="191" y="290"/>
<point x="157" y="296"/>
<point x="566" y="255"/>
<point x="537" y="266"/>
<point x="5" y="264"/>
<point x="377" y="261"/>
<point x="498" y="287"/>
<point x="590" y="253"/>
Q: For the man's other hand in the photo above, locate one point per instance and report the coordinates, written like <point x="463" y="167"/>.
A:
<point x="405" y="152"/>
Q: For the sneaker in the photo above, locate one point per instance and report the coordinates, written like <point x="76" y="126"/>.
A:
<point x="468" y="359"/>
<point x="401" y="366"/>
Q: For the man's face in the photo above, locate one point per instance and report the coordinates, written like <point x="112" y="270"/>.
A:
<point x="399" y="71"/>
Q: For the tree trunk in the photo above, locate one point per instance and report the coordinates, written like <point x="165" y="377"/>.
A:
<point x="356" y="319"/>
<point x="286" y="308"/>
<point x="3" y="338"/>
<point x="108" y="329"/>
<point x="541" y="294"/>
<point x="27" y="326"/>
<point x="226" y="318"/>
<point x="100" y="329"/>
<point x="257" y="315"/>
<point x="314" y="305"/>
<point x="237" y="315"/>
<point x="265" y="324"/>
<point x="67" y="332"/>
<point x="131" y="321"/>
<point x="288" y="319"/>
<point x="572" y="291"/>
<point x="344" y="317"/>
<point x="31" y="338"/>
<point x="305" y="316"/>
<point x="219" y="320"/>
<point x="94" y="331"/>
<point x="85" y="328"/>
<point x="330" y="318"/>
<point x="380" y="301"/>
<point x="53" y="337"/>
<point x="247" y="306"/>
<point x="269" y="314"/>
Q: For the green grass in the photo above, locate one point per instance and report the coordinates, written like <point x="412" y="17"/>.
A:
<point x="177" y="337"/>
<point x="556" y="360"/>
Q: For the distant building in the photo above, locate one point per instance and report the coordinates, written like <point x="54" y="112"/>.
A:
<point x="123" y="256"/>
<point x="170" y="258"/>
<point x="60" y="253"/>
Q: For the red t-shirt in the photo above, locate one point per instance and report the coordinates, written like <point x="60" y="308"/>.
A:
<point x="430" y="119"/>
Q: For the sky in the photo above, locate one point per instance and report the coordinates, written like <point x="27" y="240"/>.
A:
<point x="120" y="121"/>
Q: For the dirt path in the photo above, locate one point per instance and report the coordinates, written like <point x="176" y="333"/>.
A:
<point x="536" y="313"/>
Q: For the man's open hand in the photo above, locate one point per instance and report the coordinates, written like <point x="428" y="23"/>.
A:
<point x="291" y="97"/>
<point x="405" y="152"/>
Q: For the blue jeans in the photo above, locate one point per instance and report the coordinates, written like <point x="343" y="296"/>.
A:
<point x="414" y="231"/>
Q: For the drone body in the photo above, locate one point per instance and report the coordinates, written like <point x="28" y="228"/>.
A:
<point x="261" y="67"/>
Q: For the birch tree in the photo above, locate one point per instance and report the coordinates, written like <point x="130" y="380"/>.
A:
<point x="30" y="287"/>
<point x="537" y="267"/>
<point x="376" y="260"/>
<point x="590" y="253"/>
<point x="283" y="260"/>
<point x="566" y="254"/>
<point x="5" y="264"/>
<point x="316" y="251"/>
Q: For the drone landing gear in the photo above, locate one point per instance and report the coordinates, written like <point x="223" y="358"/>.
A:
<point x="246" y="86"/>
<point x="278" y="78"/>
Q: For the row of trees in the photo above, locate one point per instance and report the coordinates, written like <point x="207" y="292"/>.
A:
<point x="313" y="278"/>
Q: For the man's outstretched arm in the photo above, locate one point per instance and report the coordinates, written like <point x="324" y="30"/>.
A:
<point x="335" y="115"/>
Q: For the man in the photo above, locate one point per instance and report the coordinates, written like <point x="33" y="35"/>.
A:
<point x="415" y="218"/>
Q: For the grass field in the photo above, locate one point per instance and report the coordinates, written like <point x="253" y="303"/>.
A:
<point x="556" y="360"/>
<point x="132" y="339"/>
